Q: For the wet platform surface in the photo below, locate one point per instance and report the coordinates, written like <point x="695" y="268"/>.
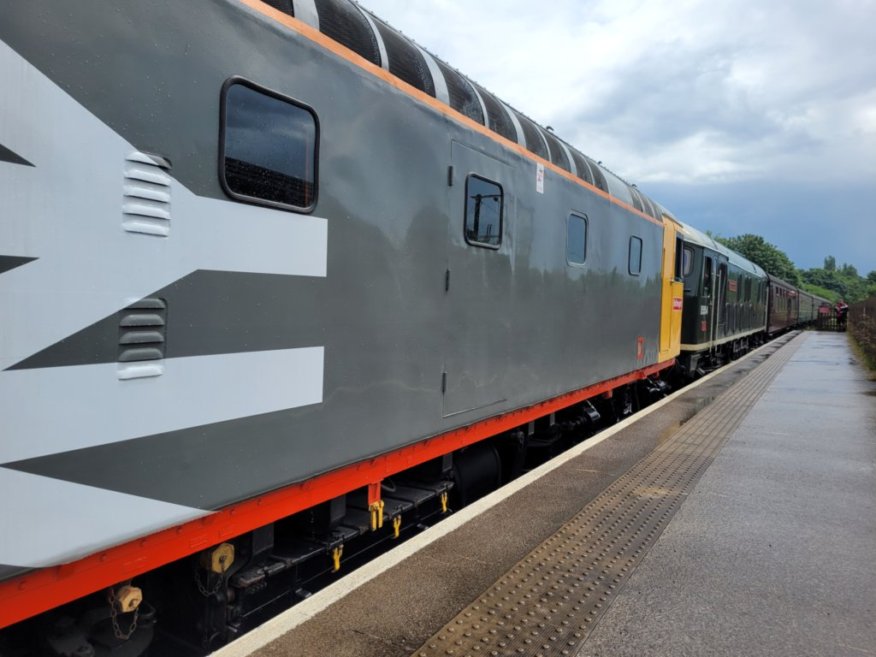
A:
<point x="765" y="546"/>
<point x="775" y="551"/>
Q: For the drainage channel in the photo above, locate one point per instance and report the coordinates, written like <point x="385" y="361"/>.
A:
<point x="548" y="602"/>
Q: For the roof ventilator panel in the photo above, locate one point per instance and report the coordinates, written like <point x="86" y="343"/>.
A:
<point x="286" y="6"/>
<point x="405" y="60"/>
<point x="534" y="140"/>
<point x="521" y="136"/>
<point x="344" y="22"/>
<point x="568" y="152"/>
<point x="650" y="208"/>
<point x="462" y="95"/>
<point x="637" y="199"/>
<point x="146" y="195"/>
<point x="583" y="167"/>
<point x="618" y="188"/>
<point x="558" y="153"/>
<point x="598" y="175"/>
<point x="497" y="118"/>
<point x="142" y="332"/>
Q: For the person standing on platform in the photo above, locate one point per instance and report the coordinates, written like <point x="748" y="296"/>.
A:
<point x="842" y="311"/>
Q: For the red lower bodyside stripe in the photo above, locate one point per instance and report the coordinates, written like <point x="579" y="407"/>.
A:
<point x="41" y="590"/>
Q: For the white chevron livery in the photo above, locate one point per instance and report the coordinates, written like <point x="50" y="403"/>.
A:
<point x="68" y="213"/>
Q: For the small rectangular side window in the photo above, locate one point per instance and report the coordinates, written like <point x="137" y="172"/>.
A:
<point x="635" y="263"/>
<point x="484" y="202"/>
<point x="687" y="261"/>
<point x="267" y="147"/>
<point x="576" y="239"/>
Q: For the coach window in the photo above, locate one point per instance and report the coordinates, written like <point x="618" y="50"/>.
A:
<point x="484" y="201"/>
<point x="635" y="263"/>
<point x="576" y="239"/>
<point x="707" y="277"/>
<point x="268" y="147"/>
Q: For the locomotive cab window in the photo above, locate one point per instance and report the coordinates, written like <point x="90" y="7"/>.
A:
<point x="484" y="201"/>
<point x="576" y="239"/>
<point x="267" y="148"/>
<point x="678" y="265"/>
<point x="635" y="261"/>
<point x="687" y="261"/>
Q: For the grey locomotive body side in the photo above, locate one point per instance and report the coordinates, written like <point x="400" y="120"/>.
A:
<point x="310" y="367"/>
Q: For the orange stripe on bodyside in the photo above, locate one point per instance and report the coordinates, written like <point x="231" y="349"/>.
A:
<point x="41" y="590"/>
<point x="351" y="56"/>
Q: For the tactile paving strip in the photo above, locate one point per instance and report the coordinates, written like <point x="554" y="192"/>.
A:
<point x="547" y="603"/>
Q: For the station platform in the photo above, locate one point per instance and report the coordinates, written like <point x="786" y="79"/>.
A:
<point x="736" y="517"/>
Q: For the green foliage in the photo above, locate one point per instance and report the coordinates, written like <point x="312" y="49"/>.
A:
<point x="764" y="254"/>
<point x="844" y="282"/>
<point x="822" y="292"/>
<point x="830" y="263"/>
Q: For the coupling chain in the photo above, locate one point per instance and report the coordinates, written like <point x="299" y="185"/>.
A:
<point x="203" y="587"/>
<point x="114" y="617"/>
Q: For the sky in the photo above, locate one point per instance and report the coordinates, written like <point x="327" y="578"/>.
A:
<point x="741" y="116"/>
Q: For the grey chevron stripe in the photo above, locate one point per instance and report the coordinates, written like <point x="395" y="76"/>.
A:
<point x="200" y="479"/>
<point x="258" y="312"/>
<point x="7" y="155"/>
<point x="11" y="262"/>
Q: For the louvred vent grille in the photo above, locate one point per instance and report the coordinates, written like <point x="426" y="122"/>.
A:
<point x="146" y="195"/>
<point x="142" y="331"/>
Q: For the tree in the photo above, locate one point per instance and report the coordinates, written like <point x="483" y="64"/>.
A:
<point x="766" y="255"/>
<point x="843" y="282"/>
<point x="872" y="276"/>
<point x="830" y="263"/>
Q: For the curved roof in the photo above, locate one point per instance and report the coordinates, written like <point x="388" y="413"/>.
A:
<point x="696" y="236"/>
<point x="356" y="28"/>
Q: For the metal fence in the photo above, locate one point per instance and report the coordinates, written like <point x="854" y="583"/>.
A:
<point x="829" y="319"/>
<point x="862" y="326"/>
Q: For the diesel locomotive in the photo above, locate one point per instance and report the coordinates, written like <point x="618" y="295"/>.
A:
<point x="278" y="285"/>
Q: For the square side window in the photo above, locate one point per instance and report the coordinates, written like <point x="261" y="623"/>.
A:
<point x="268" y="148"/>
